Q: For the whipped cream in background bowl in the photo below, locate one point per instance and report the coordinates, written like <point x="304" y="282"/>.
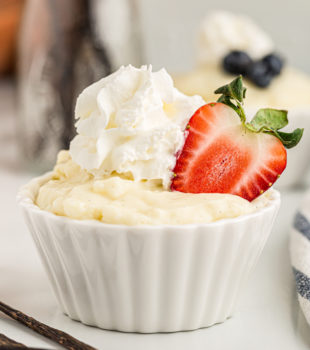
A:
<point x="121" y="250"/>
<point x="221" y="32"/>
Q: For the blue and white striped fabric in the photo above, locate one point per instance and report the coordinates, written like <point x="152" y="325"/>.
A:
<point x="300" y="255"/>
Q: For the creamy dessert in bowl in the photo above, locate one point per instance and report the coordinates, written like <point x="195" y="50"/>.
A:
<point x="155" y="217"/>
<point x="117" y="199"/>
<point x="231" y="44"/>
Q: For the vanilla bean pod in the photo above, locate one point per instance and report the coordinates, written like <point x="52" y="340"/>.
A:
<point x="62" y="338"/>
<point x="9" y="344"/>
<point x="5" y="341"/>
<point x="16" y="347"/>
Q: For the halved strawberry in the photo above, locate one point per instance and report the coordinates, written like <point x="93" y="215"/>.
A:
<point x="222" y="155"/>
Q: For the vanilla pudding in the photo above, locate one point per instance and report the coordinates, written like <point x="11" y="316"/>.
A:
<point x="118" y="199"/>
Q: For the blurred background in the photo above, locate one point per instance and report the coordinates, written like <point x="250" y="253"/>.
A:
<point x="170" y="28"/>
<point x="51" y="49"/>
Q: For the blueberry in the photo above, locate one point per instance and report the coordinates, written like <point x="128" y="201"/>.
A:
<point x="274" y="63"/>
<point x="237" y="62"/>
<point x="259" y="74"/>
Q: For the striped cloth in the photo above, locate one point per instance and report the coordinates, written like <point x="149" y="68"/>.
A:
<point x="300" y="255"/>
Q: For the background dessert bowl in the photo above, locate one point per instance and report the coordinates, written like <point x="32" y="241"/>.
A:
<point x="146" y="279"/>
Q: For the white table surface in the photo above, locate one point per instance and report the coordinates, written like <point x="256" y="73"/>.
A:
<point x="268" y="316"/>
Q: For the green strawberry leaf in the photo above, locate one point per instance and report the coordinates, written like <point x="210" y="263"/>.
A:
<point x="289" y="139"/>
<point x="268" y="118"/>
<point x="234" y="90"/>
<point x="226" y="100"/>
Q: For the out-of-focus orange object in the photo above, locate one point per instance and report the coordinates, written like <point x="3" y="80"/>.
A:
<point x="10" y="14"/>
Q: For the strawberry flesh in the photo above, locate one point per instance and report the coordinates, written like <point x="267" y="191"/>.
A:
<point x="221" y="156"/>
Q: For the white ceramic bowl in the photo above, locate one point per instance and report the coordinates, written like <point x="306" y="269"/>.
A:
<point x="147" y="278"/>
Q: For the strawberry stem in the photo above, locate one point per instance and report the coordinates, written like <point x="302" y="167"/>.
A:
<point x="241" y="112"/>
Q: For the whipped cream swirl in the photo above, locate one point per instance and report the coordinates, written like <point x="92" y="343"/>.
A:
<point x="132" y="122"/>
<point x="222" y="32"/>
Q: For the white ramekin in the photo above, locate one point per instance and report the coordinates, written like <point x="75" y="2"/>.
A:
<point x="147" y="278"/>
